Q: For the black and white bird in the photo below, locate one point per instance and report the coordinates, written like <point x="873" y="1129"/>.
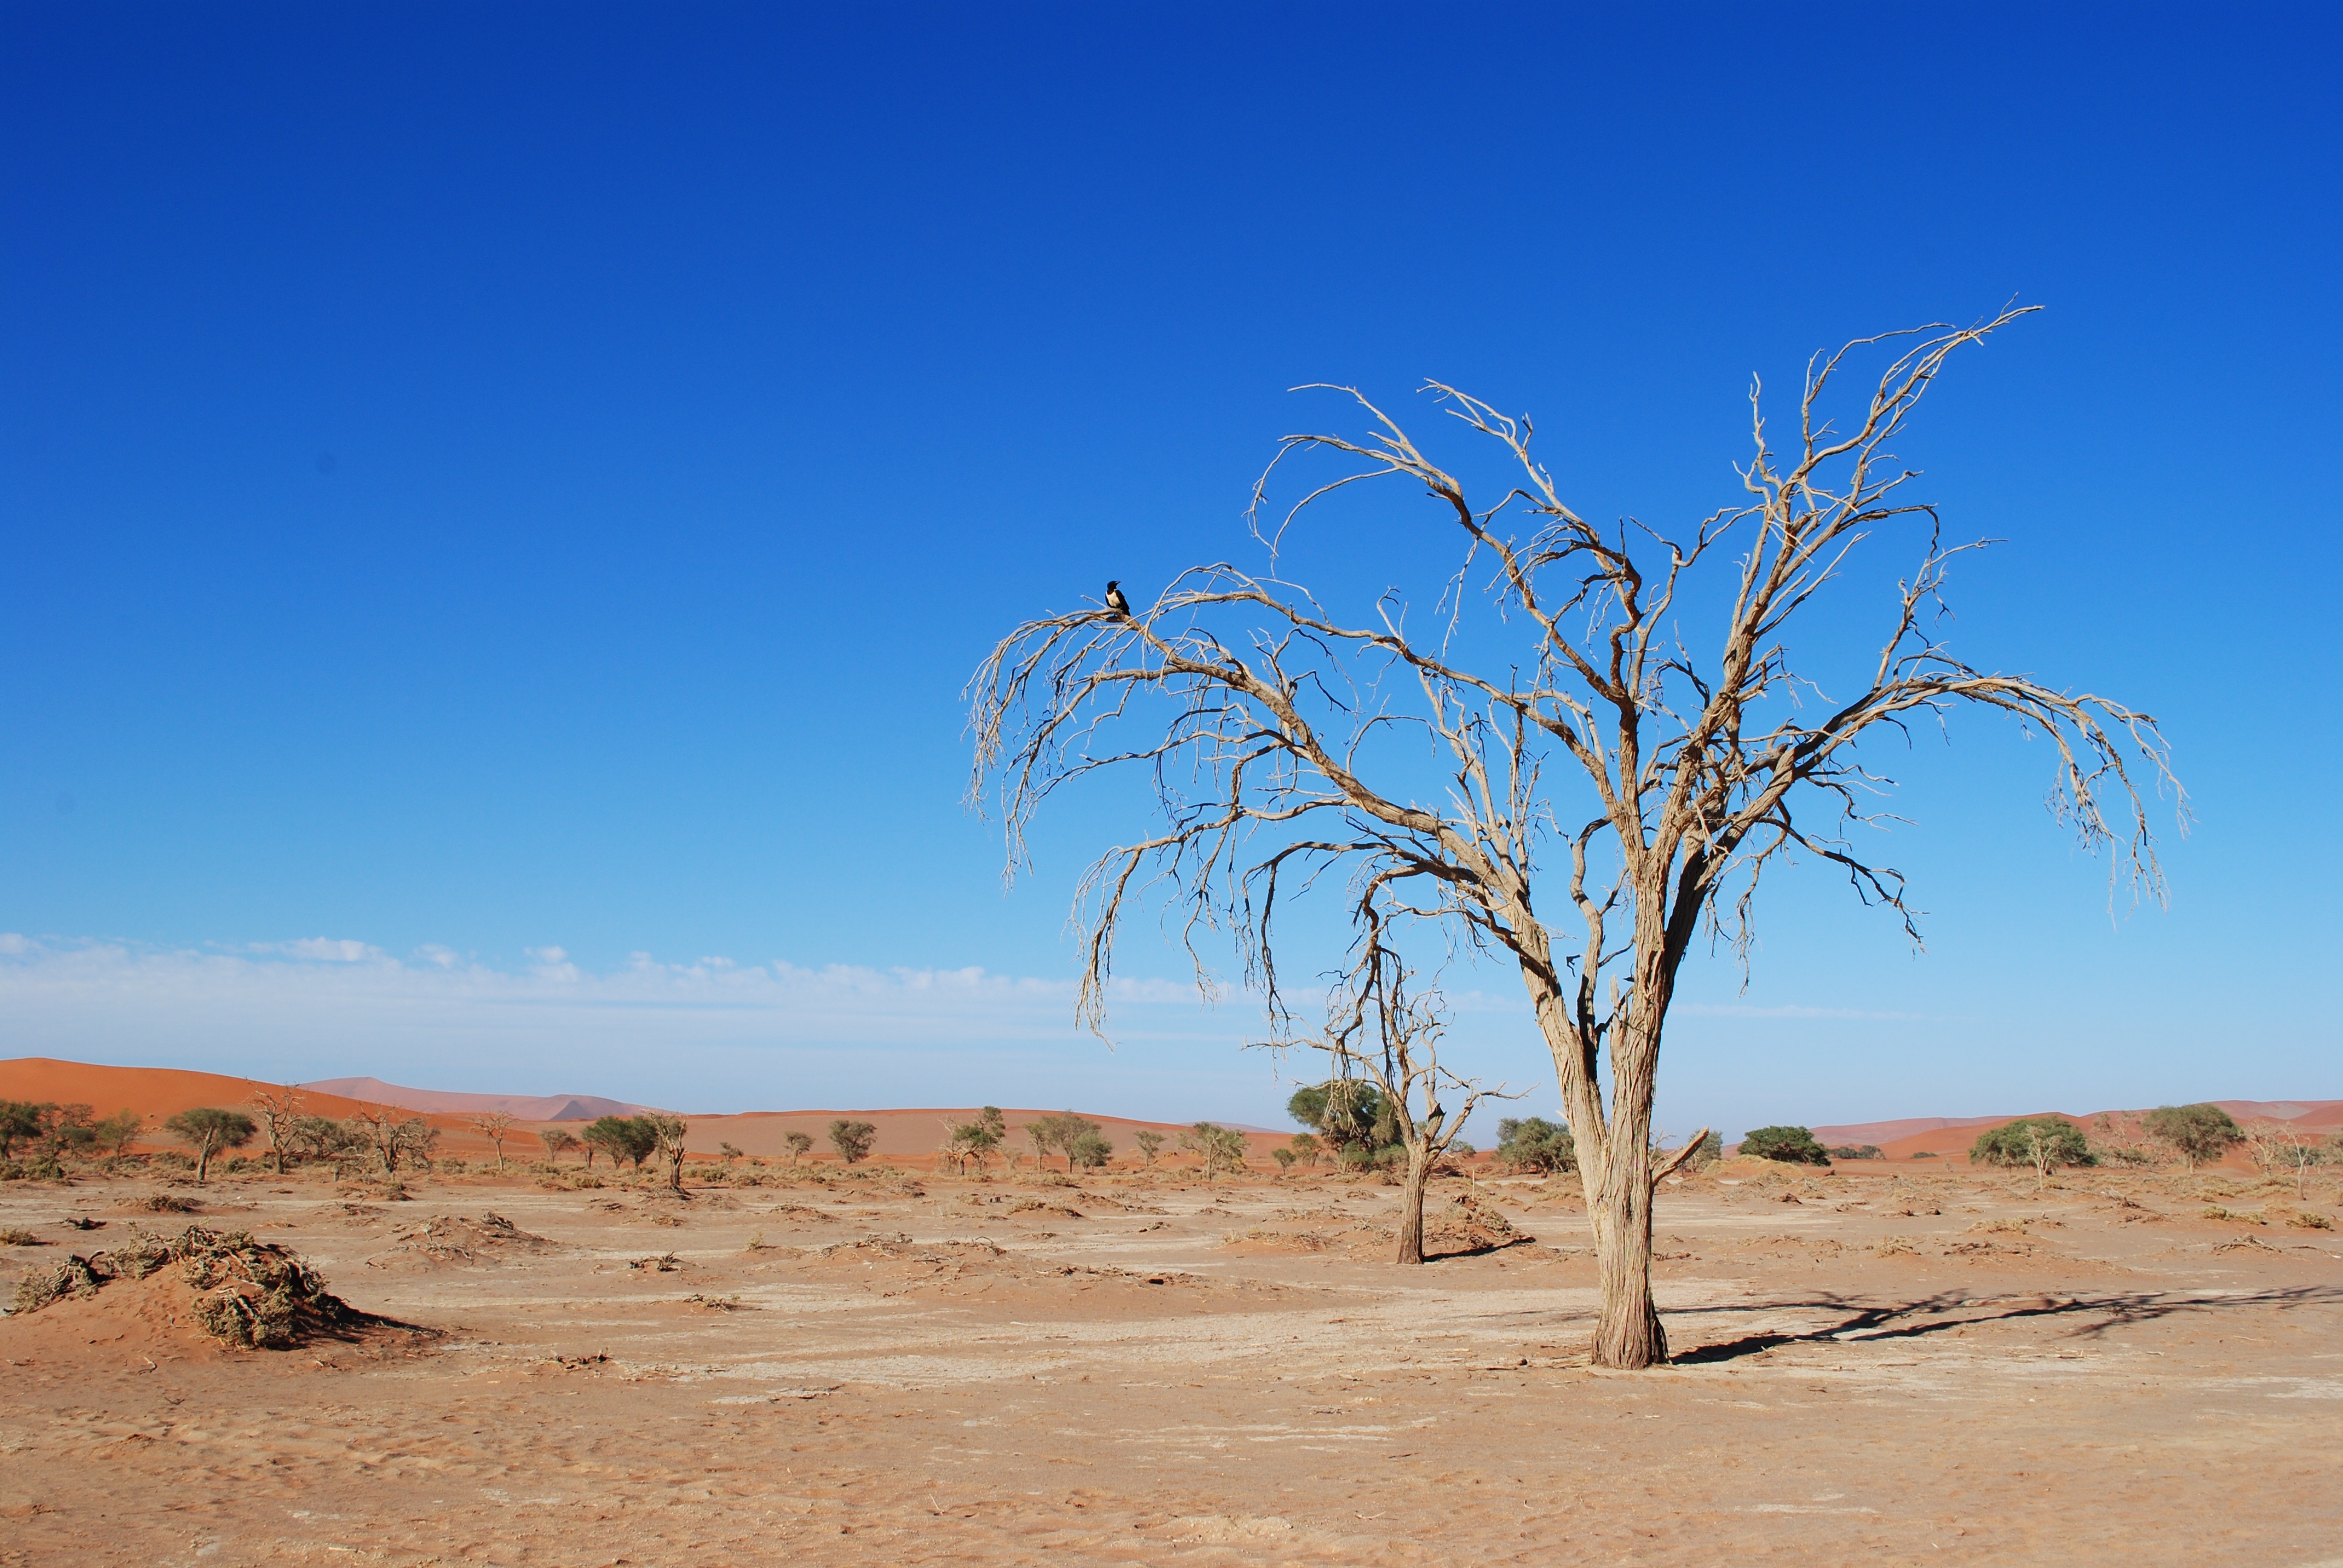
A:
<point x="1114" y="600"/>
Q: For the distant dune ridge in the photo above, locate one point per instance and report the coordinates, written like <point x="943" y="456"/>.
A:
<point x="901" y="1133"/>
<point x="1953" y="1134"/>
<point x="157" y="1092"/>
<point x="522" y="1107"/>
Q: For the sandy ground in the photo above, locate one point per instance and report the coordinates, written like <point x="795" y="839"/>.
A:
<point x="1883" y="1368"/>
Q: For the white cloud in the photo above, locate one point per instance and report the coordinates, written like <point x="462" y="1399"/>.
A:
<point x="715" y="1031"/>
<point x="321" y="950"/>
<point x="553" y="964"/>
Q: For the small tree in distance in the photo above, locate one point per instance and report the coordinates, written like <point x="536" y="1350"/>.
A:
<point x="207" y="1130"/>
<point x="1220" y="1148"/>
<point x="666" y="1142"/>
<point x="115" y="1134"/>
<point x="278" y="1108"/>
<point x="20" y="1121"/>
<point x="1383" y="1031"/>
<point x="1789" y="1145"/>
<point x="975" y="1139"/>
<point x="2044" y="1143"/>
<point x="558" y="1142"/>
<point x="798" y="1142"/>
<point x="1150" y="1143"/>
<point x="1533" y="1143"/>
<point x="2193" y="1132"/>
<point x="495" y="1126"/>
<point x="2279" y="1150"/>
<point x="629" y="1138"/>
<point x="852" y="1140"/>
<point x="1063" y="1130"/>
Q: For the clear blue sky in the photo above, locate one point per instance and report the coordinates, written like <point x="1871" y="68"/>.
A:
<point x="477" y="481"/>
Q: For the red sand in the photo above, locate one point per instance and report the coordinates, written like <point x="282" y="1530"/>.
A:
<point x="904" y="1136"/>
<point x="1953" y="1369"/>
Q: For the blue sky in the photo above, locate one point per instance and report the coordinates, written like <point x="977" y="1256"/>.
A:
<point x="500" y="503"/>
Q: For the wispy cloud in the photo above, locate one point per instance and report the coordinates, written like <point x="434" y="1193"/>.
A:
<point x="1736" y="1010"/>
<point x="322" y="950"/>
<point x="319" y="1006"/>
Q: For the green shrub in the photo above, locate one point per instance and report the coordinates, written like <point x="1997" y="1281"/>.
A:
<point x="852" y="1140"/>
<point x="1856" y="1151"/>
<point x="1533" y="1143"/>
<point x="2044" y="1143"/>
<point x="1343" y="1110"/>
<point x="2193" y="1132"/>
<point x="210" y="1130"/>
<point x="1789" y="1145"/>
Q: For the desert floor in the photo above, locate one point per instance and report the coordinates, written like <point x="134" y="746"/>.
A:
<point x="1141" y="1368"/>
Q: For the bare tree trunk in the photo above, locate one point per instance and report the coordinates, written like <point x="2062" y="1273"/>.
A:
<point x="1629" y="1334"/>
<point x="1617" y="1174"/>
<point x="1410" y="1201"/>
<point x="203" y="1160"/>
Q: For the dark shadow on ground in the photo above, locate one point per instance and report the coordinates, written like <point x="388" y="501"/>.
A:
<point x="2088" y="1315"/>
<point x="1482" y="1250"/>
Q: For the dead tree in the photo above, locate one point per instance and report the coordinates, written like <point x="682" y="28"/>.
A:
<point x="2282" y="1153"/>
<point x="1277" y="736"/>
<point x="668" y="1133"/>
<point x="1378" y="1026"/>
<point x="495" y="1126"/>
<point x="279" y="1109"/>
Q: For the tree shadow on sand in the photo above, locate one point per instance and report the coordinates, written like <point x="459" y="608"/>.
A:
<point x="2087" y="1316"/>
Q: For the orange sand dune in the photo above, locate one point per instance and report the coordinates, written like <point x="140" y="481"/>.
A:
<point x="526" y="1107"/>
<point x="151" y="1091"/>
<point x="1952" y="1135"/>
<point x="1880" y="1132"/>
<point x="157" y="1092"/>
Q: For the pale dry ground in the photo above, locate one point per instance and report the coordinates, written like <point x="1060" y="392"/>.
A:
<point x="2112" y="1384"/>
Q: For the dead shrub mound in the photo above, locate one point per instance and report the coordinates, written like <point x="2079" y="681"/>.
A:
<point x="1466" y="1223"/>
<point x="898" y="1265"/>
<point x="251" y="1293"/>
<point x="167" y="1203"/>
<point x="1470" y="1223"/>
<point x="455" y="1240"/>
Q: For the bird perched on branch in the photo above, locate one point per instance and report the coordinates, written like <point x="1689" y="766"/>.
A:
<point x="1114" y="600"/>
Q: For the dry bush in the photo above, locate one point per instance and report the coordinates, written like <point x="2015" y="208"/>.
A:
<point x="251" y="1293"/>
